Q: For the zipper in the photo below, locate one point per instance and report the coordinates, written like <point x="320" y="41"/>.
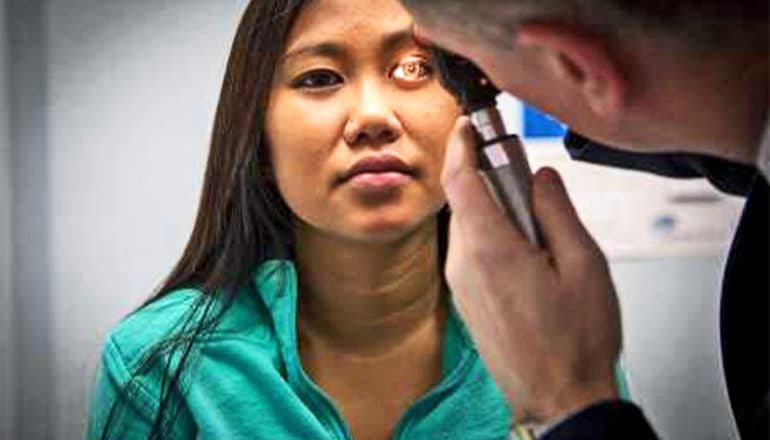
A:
<point x="451" y="381"/>
<point x="321" y="405"/>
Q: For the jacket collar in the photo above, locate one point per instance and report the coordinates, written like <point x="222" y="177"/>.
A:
<point x="276" y="283"/>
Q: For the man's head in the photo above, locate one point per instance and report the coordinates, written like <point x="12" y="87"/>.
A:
<point x="699" y="22"/>
<point x="647" y="74"/>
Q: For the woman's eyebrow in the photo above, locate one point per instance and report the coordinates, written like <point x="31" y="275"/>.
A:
<point x="332" y="49"/>
<point x="325" y="49"/>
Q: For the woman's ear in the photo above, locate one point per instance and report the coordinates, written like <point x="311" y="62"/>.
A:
<point x="582" y="64"/>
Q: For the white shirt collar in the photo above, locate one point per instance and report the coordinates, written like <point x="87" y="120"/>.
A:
<point x="763" y="161"/>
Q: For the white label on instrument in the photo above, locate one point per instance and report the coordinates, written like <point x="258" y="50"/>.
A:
<point x="496" y="155"/>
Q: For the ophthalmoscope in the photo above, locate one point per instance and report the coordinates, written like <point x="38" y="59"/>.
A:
<point x="501" y="156"/>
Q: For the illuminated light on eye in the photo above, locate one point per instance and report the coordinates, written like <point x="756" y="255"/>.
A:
<point x="412" y="70"/>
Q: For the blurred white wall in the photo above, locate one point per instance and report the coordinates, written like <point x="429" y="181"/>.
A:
<point x="113" y="111"/>
<point x="112" y="104"/>
<point x="670" y="310"/>
<point x="133" y="87"/>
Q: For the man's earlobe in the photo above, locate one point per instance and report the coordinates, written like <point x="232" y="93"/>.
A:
<point x="582" y="63"/>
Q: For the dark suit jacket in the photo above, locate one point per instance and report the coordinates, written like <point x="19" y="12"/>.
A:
<point x="745" y="293"/>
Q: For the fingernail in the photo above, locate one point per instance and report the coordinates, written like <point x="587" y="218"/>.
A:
<point x="550" y="178"/>
<point x="464" y="122"/>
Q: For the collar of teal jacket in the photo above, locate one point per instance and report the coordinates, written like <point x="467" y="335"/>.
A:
<point x="276" y="283"/>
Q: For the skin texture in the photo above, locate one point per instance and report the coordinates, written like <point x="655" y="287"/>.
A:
<point x="546" y="320"/>
<point x="370" y="305"/>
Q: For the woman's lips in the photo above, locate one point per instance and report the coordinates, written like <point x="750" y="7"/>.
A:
<point x="378" y="173"/>
<point x="379" y="180"/>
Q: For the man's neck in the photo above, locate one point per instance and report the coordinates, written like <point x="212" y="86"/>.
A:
<point x="367" y="298"/>
<point x="734" y="124"/>
<point x="715" y="105"/>
<point x="740" y="111"/>
<point x="745" y="111"/>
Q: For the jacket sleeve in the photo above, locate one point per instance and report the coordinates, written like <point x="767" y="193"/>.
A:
<point x="122" y="413"/>
<point x="610" y="420"/>
<point x="729" y="177"/>
<point x="124" y="406"/>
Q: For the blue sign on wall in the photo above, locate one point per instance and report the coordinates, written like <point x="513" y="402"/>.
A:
<point x="538" y="125"/>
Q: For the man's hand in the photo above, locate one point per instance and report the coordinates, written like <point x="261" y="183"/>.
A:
<point x="545" y="321"/>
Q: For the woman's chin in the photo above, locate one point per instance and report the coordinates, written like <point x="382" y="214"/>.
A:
<point x="383" y="235"/>
<point x="383" y="230"/>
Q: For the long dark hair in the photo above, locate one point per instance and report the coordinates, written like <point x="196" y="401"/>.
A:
<point x="242" y="219"/>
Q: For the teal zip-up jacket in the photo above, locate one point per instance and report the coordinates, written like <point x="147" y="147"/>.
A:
<point x="246" y="380"/>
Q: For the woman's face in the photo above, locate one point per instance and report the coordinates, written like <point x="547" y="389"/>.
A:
<point x="357" y="121"/>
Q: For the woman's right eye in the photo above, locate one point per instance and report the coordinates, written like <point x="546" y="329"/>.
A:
<point x="317" y="79"/>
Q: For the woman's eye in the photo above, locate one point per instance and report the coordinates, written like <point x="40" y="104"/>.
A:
<point x="317" y="79"/>
<point x="413" y="69"/>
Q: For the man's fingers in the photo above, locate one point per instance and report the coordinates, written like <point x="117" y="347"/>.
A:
<point x="454" y="253"/>
<point x="479" y="218"/>
<point x="565" y="235"/>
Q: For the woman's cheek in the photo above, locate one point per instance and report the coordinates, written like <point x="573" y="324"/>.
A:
<point x="431" y="125"/>
<point x="302" y="148"/>
<point x="434" y="108"/>
<point x="301" y="186"/>
<point x="308" y="131"/>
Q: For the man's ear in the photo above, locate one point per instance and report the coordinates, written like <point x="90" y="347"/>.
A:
<point x="582" y="61"/>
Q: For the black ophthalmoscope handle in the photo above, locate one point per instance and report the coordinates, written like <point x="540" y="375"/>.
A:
<point x="502" y="160"/>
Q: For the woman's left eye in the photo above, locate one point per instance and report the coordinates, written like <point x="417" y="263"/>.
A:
<point x="413" y="69"/>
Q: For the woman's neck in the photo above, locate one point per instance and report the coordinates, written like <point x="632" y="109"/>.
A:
<point x="367" y="299"/>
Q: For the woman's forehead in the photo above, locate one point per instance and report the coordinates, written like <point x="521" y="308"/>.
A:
<point x="359" y="22"/>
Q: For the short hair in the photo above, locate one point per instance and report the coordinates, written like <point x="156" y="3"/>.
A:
<point x="701" y="23"/>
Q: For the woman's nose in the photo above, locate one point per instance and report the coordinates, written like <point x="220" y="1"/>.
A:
<point x="371" y="120"/>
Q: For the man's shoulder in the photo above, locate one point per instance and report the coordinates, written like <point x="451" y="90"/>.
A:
<point x="607" y="420"/>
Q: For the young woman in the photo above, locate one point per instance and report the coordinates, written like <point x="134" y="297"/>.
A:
<point x="310" y="301"/>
